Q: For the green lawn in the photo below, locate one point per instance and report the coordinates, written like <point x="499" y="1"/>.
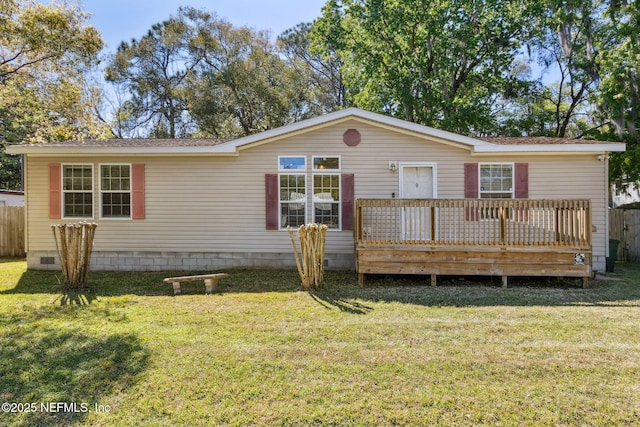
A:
<point x="260" y="352"/>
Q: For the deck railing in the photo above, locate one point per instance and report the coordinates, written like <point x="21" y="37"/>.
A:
<point x="474" y="222"/>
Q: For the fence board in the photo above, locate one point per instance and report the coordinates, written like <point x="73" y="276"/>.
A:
<point x="632" y="241"/>
<point x="12" y="231"/>
<point x="624" y="225"/>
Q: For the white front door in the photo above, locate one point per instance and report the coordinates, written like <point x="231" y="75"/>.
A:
<point x="416" y="182"/>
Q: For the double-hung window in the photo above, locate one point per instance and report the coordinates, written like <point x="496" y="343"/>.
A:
<point x="305" y="197"/>
<point x="326" y="191"/>
<point x="293" y="190"/>
<point x="77" y="191"/>
<point x="115" y="191"/>
<point x="496" y="181"/>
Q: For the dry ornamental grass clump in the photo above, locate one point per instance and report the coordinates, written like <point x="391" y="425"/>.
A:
<point x="310" y="262"/>
<point x="74" y="250"/>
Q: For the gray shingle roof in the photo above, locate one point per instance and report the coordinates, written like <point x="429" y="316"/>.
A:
<point x="210" y="142"/>
<point x="521" y="140"/>
<point x="142" y="142"/>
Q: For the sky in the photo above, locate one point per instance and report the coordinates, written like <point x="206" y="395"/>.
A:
<point x="122" y="20"/>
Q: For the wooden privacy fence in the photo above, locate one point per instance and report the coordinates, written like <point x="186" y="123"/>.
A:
<point x="12" y="231"/>
<point x="474" y="222"/>
<point x="624" y="226"/>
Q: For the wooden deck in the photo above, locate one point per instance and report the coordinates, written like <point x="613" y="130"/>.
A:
<point x="496" y="237"/>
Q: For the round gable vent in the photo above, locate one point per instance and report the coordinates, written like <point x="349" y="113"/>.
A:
<point x="351" y="137"/>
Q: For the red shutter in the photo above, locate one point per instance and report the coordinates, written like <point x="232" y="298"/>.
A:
<point x="347" y="187"/>
<point x="521" y="180"/>
<point x="271" y="201"/>
<point x="471" y="180"/>
<point x="55" y="191"/>
<point x="137" y="191"/>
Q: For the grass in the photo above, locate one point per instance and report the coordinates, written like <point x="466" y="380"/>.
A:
<point x="260" y="352"/>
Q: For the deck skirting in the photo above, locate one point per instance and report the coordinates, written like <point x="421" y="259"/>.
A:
<point x="473" y="261"/>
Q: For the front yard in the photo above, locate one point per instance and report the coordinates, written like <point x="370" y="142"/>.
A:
<point x="259" y="352"/>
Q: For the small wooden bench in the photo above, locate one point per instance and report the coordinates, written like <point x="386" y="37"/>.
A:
<point x="210" y="281"/>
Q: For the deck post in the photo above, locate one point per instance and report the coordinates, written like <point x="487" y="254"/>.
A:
<point x="504" y="281"/>
<point x="358" y="225"/>
<point x="361" y="279"/>
<point x="432" y="230"/>
<point x="433" y="280"/>
<point x="585" y="282"/>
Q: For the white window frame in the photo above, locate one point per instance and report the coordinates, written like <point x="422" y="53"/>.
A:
<point x="335" y="202"/>
<point x="102" y="191"/>
<point x="303" y="174"/>
<point x="314" y="169"/>
<point x="292" y="171"/>
<point x="64" y="192"/>
<point x="481" y="191"/>
<point x="309" y="172"/>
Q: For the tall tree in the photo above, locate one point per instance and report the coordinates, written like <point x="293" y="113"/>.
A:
<point x="439" y="63"/>
<point x="46" y="52"/>
<point x="241" y="86"/>
<point x="196" y="74"/>
<point x="594" y="47"/>
<point x="34" y="36"/>
<point x="154" y="71"/>
<point x="320" y="82"/>
<point x="567" y="47"/>
<point x="619" y="90"/>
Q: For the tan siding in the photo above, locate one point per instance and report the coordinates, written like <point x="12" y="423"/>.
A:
<point x="576" y="177"/>
<point x="212" y="204"/>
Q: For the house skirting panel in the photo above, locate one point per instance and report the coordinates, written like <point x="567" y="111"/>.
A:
<point x="185" y="261"/>
<point x="599" y="263"/>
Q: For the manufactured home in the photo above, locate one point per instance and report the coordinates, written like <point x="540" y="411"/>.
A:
<point x="397" y="197"/>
